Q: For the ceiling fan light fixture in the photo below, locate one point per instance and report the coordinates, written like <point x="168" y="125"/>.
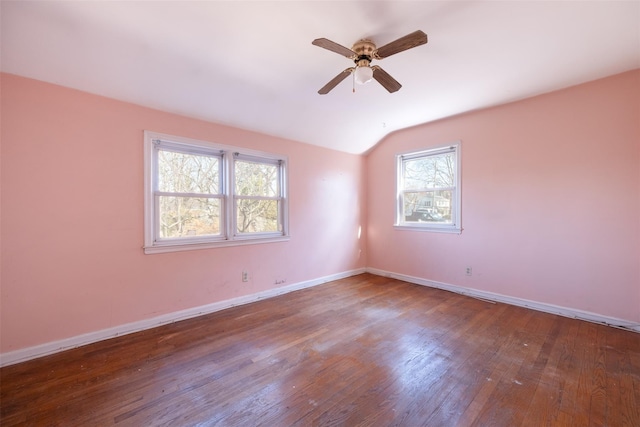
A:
<point x="363" y="74"/>
<point x="362" y="53"/>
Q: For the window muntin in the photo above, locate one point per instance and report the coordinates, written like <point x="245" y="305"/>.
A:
<point x="428" y="183"/>
<point x="200" y="195"/>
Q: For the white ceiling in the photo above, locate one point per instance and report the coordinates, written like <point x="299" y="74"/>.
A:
<point x="252" y="65"/>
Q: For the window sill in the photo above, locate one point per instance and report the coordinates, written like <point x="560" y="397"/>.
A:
<point x="179" y="247"/>
<point x="431" y="228"/>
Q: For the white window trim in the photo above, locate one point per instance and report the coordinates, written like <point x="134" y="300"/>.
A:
<point x="456" y="226"/>
<point x="230" y="237"/>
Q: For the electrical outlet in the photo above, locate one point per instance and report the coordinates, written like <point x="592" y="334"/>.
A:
<point x="468" y="271"/>
<point x="245" y="276"/>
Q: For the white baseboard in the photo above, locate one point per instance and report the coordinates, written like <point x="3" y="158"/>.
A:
<point x="539" y="306"/>
<point x="29" y="353"/>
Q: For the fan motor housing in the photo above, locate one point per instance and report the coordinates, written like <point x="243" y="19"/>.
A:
<point x="364" y="47"/>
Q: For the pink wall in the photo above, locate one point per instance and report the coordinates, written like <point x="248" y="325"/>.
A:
<point x="72" y="218"/>
<point x="551" y="210"/>
<point x="550" y="199"/>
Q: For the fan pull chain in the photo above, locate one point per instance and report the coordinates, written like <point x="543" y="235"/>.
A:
<point x="353" y="74"/>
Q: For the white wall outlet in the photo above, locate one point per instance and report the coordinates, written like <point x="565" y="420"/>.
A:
<point x="245" y="276"/>
<point x="468" y="271"/>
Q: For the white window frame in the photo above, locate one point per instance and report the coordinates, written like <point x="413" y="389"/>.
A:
<point x="228" y="230"/>
<point x="456" y="224"/>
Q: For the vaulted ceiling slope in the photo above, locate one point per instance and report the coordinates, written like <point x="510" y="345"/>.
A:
<point x="252" y="65"/>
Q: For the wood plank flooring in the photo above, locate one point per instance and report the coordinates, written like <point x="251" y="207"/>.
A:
<point x="362" y="351"/>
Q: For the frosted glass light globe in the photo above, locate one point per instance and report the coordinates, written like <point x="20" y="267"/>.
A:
<point x="363" y="75"/>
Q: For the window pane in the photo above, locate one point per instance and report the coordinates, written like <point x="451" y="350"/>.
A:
<point x="256" y="179"/>
<point x="257" y="216"/>
<point x="188" y="173"/>
<point x="435" y="171"/>
<point x="428" y="206"/>
<point x="188" y="216"/>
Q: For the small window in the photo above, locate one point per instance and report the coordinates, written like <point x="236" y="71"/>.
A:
<point x="428" y="183"/>
<point x="200" y="195"/>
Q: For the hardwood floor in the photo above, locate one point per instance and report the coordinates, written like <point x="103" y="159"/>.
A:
<point x="365" y="350"/>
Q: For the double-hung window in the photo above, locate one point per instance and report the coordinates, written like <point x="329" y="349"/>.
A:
<point x="428" y="189"/>
<point x="257" y="196"/>
<point x="201" y="195"/>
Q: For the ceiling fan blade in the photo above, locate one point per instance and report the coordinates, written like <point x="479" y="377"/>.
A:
<point x="385" y="79"/>
<point x="334" y="47"/>
<point x="409" y="41"/>
<point x="334" y="82"/>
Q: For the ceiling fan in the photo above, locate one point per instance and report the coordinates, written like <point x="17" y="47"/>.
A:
<point x="362" y="53"/>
